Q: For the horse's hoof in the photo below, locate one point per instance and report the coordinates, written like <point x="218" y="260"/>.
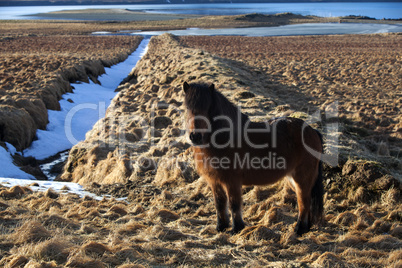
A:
<point x="301" y="229"/>
<point x="234" y="232"/>
<point x="237" y="229"/>
<point x="222" y="228"/>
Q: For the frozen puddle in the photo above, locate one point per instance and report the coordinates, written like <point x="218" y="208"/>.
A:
<point x="79" y="112"/>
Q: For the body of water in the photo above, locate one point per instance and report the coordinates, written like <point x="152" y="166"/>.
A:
<point x="378" y="10"/>
<point x="285" y="30"/>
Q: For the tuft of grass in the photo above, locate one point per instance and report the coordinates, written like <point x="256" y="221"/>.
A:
<point x="96" y="249"/>
<point x="55" y="249"/>
<point x="31" y="231"/>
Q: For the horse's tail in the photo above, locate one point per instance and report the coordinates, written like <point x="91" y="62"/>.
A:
<point x="317" y="193"/>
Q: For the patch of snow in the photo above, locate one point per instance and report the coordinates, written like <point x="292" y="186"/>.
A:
<point x="101" y="33"/>
<point x="11" y="149"/>
<point x="47" y="168"/>
<point x="8" y="169"/>
<point x="60" y="187"/>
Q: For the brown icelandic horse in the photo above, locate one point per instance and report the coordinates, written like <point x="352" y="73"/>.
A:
<point x="230" y="151"/>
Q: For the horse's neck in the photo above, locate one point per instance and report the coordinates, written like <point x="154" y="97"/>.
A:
<point x="242" y="120"/>
<point x="234" y="115"/>
<point x="229" y="110"/>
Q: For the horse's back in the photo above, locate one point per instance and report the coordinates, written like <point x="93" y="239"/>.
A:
<point x="268" y="152"/>
<point x="307" y="141"/>
<point x="286" y="136"/>
<point x="284" y="148"/>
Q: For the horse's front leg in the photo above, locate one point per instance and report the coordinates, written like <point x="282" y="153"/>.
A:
<point x="235" y="202"/>
<point x="221" y="205"/>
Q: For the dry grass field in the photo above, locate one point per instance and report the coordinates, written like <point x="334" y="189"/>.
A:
<point x="139" y="151"/>
<point x="168" y="218"/>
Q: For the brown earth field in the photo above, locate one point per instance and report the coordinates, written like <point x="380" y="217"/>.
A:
<point x="140" y="151"/>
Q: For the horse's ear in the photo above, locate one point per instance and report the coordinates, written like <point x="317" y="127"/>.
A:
<point x="186" y="86"/>
<point x="212" y="87"/>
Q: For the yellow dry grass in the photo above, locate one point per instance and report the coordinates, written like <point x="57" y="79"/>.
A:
<point x="169" y="218"/>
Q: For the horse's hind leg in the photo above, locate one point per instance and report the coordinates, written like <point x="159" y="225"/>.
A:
<point x="235" y="202"/>
<point x="221" y="205"/>
<point x="302" y="187"/>
<point x="303" y="201"/>
<point x="309" y="199"/>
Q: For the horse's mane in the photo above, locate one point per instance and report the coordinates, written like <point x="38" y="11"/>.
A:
<point x="222" y="106"/>
<point x="203" y="97"/>
<point x="198" y="98"/>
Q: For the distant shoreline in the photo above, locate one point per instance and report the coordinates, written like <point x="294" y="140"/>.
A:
<point x="110" y="15"/>
<point x="151" y="2"/>
<point x="126" y="15"/>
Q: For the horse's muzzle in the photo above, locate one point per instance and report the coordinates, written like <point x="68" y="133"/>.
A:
<point x="196" y="138"/>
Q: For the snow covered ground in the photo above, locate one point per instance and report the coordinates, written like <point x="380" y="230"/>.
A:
<point x="79" y="112"/>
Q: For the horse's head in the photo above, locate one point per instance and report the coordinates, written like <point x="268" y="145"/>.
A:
<point x="199" y="102"/>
